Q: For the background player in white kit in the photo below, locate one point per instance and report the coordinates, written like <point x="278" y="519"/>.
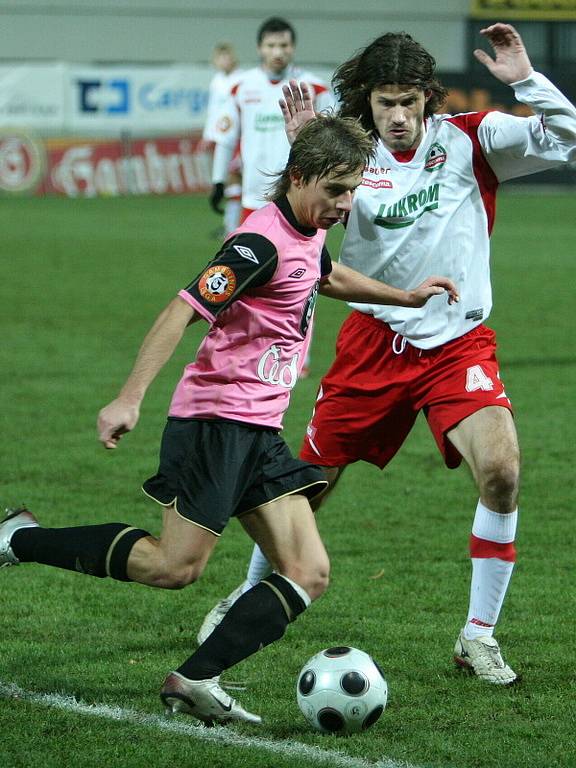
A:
<point x="428" y="203"/>
<point x="253" y="119"/>
<point x="252" y="116"/>
<point x="221" y="454"/>
<point x="227" y="73"/>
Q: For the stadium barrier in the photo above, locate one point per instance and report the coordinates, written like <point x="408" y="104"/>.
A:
<point x="92" y="167"/>
<point x="87" y="131"/>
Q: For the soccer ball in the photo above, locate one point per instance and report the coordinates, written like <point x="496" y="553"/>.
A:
<point x="341" y="690"/>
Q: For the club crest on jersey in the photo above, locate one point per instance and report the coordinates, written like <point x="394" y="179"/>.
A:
<point x="217" y="284"/>
<point x="435" y="158"/>
<point x="224" y="124"/>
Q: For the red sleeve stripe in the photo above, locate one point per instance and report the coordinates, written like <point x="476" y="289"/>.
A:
<point x="318" y="89"/>
<point x="485" y="176"/>
<point x="482" y="548"/>
<point x="234" y="89"/>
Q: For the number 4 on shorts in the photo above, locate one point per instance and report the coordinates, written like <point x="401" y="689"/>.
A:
<point x="477" y="379"/>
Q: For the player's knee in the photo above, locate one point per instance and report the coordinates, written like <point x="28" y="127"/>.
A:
<point x="312" y="577"/>
<point x="499" y="484"/>
<point x="319" y="583"/>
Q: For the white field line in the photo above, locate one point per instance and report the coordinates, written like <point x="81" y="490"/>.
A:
<point x="218" y="735"/>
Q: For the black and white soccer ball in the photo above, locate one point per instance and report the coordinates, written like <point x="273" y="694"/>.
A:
<point x="341" y="690"/>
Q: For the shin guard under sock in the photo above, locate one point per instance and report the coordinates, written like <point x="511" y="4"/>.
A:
<point x="97" y="550"/>
<point x="258" y="618"/>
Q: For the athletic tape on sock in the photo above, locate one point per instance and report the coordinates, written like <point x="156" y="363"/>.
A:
<point x="494" y="526"/>
<point x="119" y="551"/>
<point x="293" y="598"/>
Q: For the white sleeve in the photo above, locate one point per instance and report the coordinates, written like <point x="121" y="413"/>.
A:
<point x="324" y="101"/>
<point x="518" y="146"/>
<point x="227" y="123"/>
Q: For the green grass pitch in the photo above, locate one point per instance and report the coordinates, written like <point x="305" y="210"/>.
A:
<point x="80" y="283"/>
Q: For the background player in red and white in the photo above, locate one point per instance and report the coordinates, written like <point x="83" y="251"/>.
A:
<point x="427" y="203"/>
<point x="221" y="453"/>
<point x="252" y="119"/>
<point x="227" y="73"/>
<point x="252" y="116"/>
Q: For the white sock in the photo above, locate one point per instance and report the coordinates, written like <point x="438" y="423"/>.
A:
<point x="493" y="555"/>
<point x="258" y="569"/>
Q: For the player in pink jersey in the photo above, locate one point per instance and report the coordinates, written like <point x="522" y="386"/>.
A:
<point x="251" y="119"/>
<point x="221" y="454"/>
<point x="427" y="203"/>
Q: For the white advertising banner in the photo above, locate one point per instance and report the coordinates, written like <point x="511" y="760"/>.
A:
<point x="138" y="100"/>
<point x="32" y="96"/>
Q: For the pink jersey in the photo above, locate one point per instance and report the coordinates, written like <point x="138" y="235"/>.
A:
<point x="258" y="294"/>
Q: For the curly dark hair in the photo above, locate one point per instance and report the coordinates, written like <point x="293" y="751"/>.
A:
<point x="393" y="58"/>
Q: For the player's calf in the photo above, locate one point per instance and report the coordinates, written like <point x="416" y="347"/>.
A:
<point x="258" y="618"/>
<point x="96" y="550"/>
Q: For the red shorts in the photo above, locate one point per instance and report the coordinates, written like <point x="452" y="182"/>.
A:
<point x="371" y="396"/>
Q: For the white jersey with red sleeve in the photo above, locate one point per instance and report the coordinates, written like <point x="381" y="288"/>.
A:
<point x="258" y="294"/>
<point x="432" y="213"/>
<point x="253" y="117"/>
<point x="218" y="93"/>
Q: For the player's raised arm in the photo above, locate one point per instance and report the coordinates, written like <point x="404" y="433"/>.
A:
<point x="510" y="63"/>
<point x="297" y="107"/>
<point x="121" y="415"/>
<point x="348" y="285"/>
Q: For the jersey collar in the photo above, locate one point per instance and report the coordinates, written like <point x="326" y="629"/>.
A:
<point x="284" y="206"/>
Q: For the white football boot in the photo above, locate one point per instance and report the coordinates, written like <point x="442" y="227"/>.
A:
<point x="203" y="699"/>
<point x="482" y="658"/>
<point x="15" y="520"/>
<point x="215" y="616"/>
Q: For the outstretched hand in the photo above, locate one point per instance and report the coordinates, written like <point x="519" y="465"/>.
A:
<point x="115" y="420"/>
<point x="510" y="63"/>
<point x="433" y="286"/>
<point x="297" y="107"/>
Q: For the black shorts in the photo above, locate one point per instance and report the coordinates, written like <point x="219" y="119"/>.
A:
<point x="212" y="470"/>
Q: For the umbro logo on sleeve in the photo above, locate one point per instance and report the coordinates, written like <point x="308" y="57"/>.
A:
<point x="246" y="253"/>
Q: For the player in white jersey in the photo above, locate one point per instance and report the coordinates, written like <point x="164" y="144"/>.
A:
<point x="221" y="454"/>
<point x="427" y="203"/>
<point x="227" y="74"/>
<point x="253" y="118"/>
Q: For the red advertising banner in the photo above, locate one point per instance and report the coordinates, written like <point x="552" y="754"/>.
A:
<point x="92" y="167"/>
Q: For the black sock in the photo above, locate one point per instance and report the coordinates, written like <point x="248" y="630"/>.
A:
<point x="97" y="550"/>
<point x="256" y="619"/>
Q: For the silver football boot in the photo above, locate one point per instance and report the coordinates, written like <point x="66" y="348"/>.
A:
<point x="203" y="699"/>
<point x="15" y="520"/>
